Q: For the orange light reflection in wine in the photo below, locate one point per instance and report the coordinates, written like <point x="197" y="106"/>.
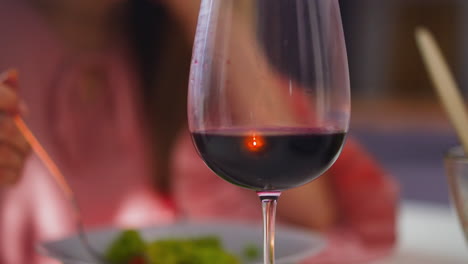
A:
<point x="255" y="143"/>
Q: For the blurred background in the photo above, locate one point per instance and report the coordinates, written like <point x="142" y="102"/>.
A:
<point x="396" y="113"/>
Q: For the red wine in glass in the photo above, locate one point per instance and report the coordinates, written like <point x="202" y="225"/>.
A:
<point x="268" y="159"/>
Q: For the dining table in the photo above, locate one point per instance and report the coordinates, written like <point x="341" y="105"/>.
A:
<point x="429" y="233"/>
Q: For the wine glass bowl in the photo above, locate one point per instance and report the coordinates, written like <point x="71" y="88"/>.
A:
<point x="252" y="66"/>
<point x="269" y="97"/>
<point x="269" y="160"/>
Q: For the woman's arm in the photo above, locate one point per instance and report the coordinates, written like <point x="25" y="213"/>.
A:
<point x="311" y="205"/>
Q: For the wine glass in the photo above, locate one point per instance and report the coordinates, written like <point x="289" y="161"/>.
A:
<point x="269" y="97"/>
<point x="456" y="168"/>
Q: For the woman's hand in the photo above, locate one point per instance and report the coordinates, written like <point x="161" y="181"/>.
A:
<point x="13" y="146"/>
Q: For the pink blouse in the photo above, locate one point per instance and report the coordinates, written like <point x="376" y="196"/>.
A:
<point x="97" y="138"/>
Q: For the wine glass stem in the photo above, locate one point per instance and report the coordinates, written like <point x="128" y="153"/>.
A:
<point x="269" y="201"/>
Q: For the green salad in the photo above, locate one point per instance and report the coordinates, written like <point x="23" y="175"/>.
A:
<point x="130" y="248"/>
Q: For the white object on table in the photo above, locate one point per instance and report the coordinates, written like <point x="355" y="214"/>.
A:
<point x="429" y="234"/>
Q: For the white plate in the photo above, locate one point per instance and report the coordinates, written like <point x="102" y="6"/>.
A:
<point x="292" y="245"/>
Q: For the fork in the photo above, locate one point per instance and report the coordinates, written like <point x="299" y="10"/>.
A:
<point x="62" y="183"/>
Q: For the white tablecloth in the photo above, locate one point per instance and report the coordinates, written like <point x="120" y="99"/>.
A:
<point x="429" y="234"/>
